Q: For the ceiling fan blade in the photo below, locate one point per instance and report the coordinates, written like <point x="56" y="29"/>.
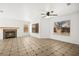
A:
<point x="53" y="15"/>
<point x="44" y="16"/>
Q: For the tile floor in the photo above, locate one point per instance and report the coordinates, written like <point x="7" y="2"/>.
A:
<point x="29" y="46"/>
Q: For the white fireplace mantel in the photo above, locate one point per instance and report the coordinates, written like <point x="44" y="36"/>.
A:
<point x="9" y="27"/>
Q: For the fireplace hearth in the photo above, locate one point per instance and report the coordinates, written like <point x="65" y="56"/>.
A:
<point x="9" y="33"/>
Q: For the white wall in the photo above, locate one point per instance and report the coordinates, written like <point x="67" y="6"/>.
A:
<point x="74" y="29"/>
<point x="35" y="34"/>
<point x="44" y="28"/>
<point x="33" y="11"/>
<point x="47" y="31"/>
<point x="64" y="13"/>
<point x="13" y="23"/>
<point x="12" y="16"/>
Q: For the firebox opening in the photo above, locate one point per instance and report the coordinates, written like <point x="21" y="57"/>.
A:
<point x="9" y="33"/>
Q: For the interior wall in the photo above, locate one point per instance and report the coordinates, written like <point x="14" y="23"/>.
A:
<point x="12" y="16"/>
<point x="44" y="28"/>
<point x="13" y="23"/>
<point x="74" y="29"/>
<point x="47" y="24"/>
<point x="35" y="34"/>
<point x="47" y="28"/>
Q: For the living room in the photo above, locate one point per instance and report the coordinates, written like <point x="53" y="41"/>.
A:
<point x="30" y="29"/>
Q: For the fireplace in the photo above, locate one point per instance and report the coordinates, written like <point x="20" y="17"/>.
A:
<point x="9" y="33"/>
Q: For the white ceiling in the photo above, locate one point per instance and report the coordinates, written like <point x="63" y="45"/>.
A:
<point x="62" y="8"/>
<point x="32" y="11"/>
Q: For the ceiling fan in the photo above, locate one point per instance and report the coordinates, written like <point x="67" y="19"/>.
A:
<point x="48" y="14"/>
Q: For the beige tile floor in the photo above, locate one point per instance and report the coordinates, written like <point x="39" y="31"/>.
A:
<point x="29" y="46"/>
